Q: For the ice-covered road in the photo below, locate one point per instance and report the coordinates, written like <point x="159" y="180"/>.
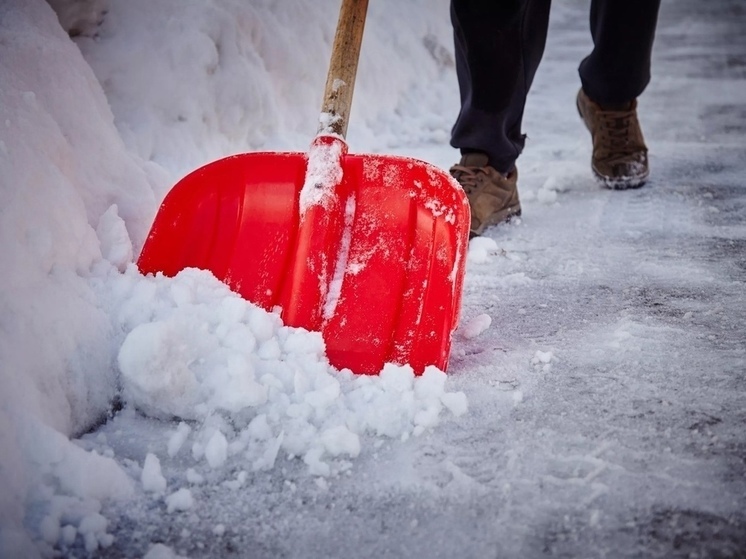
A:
<point x="607" y="401"/>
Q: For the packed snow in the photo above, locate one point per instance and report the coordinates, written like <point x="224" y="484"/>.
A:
<point x="595" y="400"/>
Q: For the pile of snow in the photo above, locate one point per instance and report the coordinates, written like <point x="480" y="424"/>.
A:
<point x="246" y="389"/>
<point x="255" y="388"/>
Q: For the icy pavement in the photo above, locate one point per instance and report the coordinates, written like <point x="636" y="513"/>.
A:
<point x="607" y="397"/>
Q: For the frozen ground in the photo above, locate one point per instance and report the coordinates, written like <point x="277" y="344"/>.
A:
<point x="607" y="397"/>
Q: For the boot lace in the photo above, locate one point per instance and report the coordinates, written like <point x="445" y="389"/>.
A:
<point x="616" y="132"/>
<point x="467" y="177"/>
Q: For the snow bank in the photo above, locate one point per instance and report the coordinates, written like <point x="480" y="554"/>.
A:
<point x="62" y="165"/>
<point x="255" y="74"/>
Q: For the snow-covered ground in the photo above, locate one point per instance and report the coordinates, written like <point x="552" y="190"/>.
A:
<point x="595" y="404"/>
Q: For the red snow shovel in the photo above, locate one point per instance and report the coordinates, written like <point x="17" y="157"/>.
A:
<point x="367" y="249"/>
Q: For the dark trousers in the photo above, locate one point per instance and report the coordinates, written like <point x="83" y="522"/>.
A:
<point x="499" y="44"/>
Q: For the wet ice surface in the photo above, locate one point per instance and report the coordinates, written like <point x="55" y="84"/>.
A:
<point x="608" y="395"/>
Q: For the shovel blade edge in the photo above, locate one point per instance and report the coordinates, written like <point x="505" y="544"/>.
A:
<point x="379" y="271"/>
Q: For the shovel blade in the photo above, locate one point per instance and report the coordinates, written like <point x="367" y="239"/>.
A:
<point x="378" y="270"/>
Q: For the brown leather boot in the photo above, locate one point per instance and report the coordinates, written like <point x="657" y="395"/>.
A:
<point x="620" y="157"/>
<point x="493" y="198"/>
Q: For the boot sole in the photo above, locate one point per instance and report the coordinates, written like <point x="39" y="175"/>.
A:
<point x="503" y="216"/>
<point x="620" y="183"/>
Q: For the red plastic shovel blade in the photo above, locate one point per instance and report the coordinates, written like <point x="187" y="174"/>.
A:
<point x="378" y="270"/>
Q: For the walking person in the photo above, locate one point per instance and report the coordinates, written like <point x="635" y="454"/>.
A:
<point x="498" y="46"/>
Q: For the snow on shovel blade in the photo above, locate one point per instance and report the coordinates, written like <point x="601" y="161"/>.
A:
<point x="367" y="249"/>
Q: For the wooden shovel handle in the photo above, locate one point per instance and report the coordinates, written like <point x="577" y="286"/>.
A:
<point x="340" y="82"/>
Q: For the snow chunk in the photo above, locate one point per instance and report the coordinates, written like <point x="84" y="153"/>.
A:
<point x="340" y="440"/>
<point x="178" y="438"/>
<point x="476" y="326"/>
<point x="259" y="428"/>
<point x="480" y="249"/>
<point x="155" y="362"/>
<point x="547" y="194"/>
<point x="316" y="466"/>
<point x="236" y="388"/>
<point x="542" y="360"/>
<point x="431" y="384"/>
<point x="542" y="357"/>
<point x="93" y="530"/>
<point x="74" y="471"/>
<point x="397" y="379"/>
<point x="194" y="477"/>
<point x="216" y="450"/>
<point x="89" y="475"/>
<point x="151" y="477"/>
<point x="267" y="460"/>
<point x="180" y="500"/>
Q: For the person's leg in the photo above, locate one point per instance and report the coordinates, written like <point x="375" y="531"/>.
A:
<point x="498" y="45"/>
<point x="618" y="68"/>
<point x="613" y="76"/>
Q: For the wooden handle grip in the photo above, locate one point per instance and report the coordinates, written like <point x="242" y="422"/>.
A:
<point x="340" y="82"/>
